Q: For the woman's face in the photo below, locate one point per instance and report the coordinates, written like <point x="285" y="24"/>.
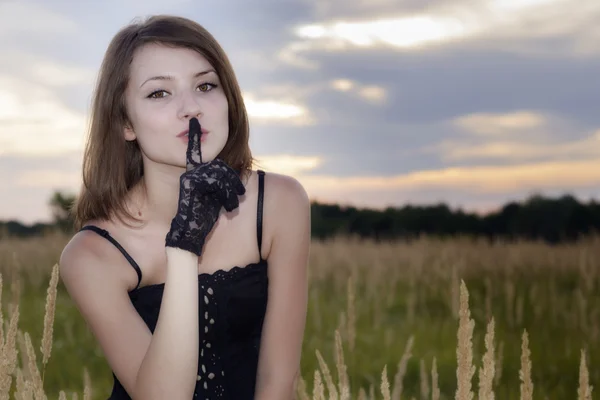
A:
<point x="168" y="87"/>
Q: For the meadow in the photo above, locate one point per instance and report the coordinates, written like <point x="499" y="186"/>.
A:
<point x="458" y="318"/>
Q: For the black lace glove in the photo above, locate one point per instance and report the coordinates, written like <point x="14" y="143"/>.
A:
<point x="203" y="189"/>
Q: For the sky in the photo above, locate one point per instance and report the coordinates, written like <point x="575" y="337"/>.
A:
<point x="369" y="103"/>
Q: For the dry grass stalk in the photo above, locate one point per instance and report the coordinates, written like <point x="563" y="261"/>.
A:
<point x="1" y="317"/>
<point x="333" y="394"/>
<point x="341" y="327"/>
<point x="15" y="289"/>
<point x="385" y="384"/>
<point x="343" y="379"/>
<point x="318" y="388"/>
<point x="399" y="377"/>
<point x="87" y="385"/>
<point x="8" y="356"/>
<point x="46" y="347"/>
<point x="23" y="353"/>
<point x="423" y="380"/>
<point x="351" y="314"/>
<point x="29" y="391"/>
<point x="19" y="384"/>
<point x="435" y="388"/>
<point x="520" y="305"/>
<point x="584" y="391"/>
<point x="486" y="373"/>
<point x="509" y="291"/>
<point x="36" y="379"/>
<point x="499" y="362"/>
<point x="525" y="372"/>
<point x="464" y="351"/>
<point x="488" y="297"/>
<point x="362" y="395"/>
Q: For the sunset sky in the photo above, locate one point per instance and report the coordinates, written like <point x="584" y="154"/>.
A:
<point x="370" y="103"/>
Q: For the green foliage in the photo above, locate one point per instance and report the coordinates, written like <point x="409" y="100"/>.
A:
<point x="536" y="218"/>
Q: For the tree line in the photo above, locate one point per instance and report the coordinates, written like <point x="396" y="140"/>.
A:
<point x="553" y="220"/>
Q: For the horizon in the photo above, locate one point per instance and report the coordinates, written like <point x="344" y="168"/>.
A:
<point x="478" y="213"/>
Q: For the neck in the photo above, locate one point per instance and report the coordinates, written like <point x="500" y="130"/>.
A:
<point x="156" y="196"/>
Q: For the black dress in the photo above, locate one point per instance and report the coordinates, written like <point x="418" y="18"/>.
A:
<point x="232" y="306"/>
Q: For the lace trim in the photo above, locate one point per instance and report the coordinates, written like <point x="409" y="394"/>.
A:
<point x="220" y="274"/>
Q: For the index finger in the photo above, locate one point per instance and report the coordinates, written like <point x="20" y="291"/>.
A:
<point x="193" y="153"/>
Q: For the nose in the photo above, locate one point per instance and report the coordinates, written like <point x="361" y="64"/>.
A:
<point x="189" y="107"/>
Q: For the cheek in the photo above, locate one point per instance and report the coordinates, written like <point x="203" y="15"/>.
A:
<point x="152" y="130"/>
<point x="222" y="106"/>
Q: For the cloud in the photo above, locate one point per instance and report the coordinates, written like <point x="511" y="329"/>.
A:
<point x="502" y="24"/>
<point x="500" y="123"/>
<point x="56" y="74"/>
<point x="404" y="32"/>
<point x="516" y="137"/>
<point x="30" y="19"/>
<point x="34" y="121"/>
<point x="289" y="164"/>
<point x="276" y="111"/>
<point x="49" y="73"/>
<point x="489" y="179"/>
<point x="515" y="150"/>
<point x="371" y="93"/>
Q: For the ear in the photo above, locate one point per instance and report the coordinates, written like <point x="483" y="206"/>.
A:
<point x="128" y="132"/>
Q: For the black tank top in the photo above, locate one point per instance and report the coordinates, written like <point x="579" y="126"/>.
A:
<point x="232" y="306"/>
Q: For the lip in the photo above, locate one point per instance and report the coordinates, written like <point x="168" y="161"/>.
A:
<point x="185" y="132"/>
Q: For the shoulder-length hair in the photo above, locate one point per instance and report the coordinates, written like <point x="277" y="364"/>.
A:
<point x="112" y="165"/>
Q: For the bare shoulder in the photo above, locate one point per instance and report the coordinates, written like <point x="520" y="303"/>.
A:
<point x="79" y="257"/>
<point x="86" y="258"/>
<point x="288" y="205"/>
<point x="285" y="193"/>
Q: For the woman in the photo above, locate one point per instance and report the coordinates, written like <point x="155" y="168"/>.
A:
<point x="189" y="267"/>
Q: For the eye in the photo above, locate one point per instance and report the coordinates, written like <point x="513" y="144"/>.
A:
<point x="153" y="94"/>
<point x="207" y="87"/>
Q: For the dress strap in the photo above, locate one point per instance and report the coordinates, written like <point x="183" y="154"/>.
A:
<point x="104" y="233"/>
<point x="259" y="214"/>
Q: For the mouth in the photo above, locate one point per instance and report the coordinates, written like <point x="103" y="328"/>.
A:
<point x="185" y="137"/>
<point x="187" y="131"/>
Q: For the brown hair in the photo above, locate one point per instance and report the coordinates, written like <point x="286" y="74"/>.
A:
<point x="112" y="165"/>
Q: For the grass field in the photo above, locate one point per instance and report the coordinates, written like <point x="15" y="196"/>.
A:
<point x="404" y="325"/>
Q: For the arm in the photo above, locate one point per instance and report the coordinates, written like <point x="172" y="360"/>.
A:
<point x="148" y="366"/>
<point x="283" y="328"/>
<point x="169" y="368"/>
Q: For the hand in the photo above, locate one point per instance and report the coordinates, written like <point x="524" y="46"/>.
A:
<point x="203" y="189"/>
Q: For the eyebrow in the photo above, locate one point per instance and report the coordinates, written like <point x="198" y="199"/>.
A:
<point x="169" y="77"/>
